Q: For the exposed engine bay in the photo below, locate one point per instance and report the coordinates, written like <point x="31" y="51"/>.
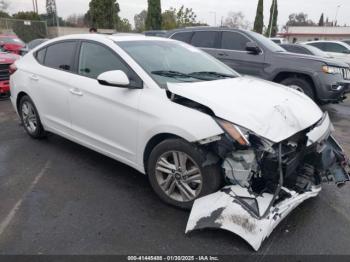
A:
<point x="266" y="181"/>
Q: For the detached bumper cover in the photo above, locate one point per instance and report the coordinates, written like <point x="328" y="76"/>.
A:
<point x="224" y="210"/>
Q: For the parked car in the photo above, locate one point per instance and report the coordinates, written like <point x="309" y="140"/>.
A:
<point x="346" y="41"/>
<point x="6" y="60"/>
<point x="188" y="121"/>
<point x="324" y="80"/>
<point x="11" y="43"/>
<point x="305" y="49"/>
<point x="159" y="33"/>
<point x="278" y="40"/>
<point x="336" y="49"/>
<point x="31" y="45"/>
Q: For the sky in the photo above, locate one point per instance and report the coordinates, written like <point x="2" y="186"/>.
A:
<point x="206" y="10"/>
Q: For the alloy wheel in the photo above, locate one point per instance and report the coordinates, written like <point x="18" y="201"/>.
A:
<point x="179" y="176"/>
<point x="29" y="117"/>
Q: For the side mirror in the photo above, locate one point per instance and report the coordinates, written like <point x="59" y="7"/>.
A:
<point x="114" y="78"/>
<point x="253" y="48"/>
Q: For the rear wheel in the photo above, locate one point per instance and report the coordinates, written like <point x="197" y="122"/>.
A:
<point x="177" y="173"/>
<point x="30" y="118"/>
<point x="300" y="85"/>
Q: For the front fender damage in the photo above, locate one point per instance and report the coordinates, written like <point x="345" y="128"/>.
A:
<point x="224" y="210"/>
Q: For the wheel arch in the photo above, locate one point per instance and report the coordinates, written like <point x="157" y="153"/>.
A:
<point x="19" y="97"/>
<point x="288" y="74"/>
<point x="153" y="142"/>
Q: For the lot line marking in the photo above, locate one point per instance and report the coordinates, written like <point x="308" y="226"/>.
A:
<point x="4" y="224"/>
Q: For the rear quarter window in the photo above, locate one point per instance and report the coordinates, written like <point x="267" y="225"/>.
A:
<point x="40" y="55"/>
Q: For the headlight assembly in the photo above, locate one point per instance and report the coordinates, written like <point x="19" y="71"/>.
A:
<point x="239" y="134"/>
<point x="331" y="70"/>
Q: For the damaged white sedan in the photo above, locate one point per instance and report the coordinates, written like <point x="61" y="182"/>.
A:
<point x="241" y="152"/>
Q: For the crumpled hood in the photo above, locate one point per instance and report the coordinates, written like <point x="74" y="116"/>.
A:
<point x="270" y="110"/>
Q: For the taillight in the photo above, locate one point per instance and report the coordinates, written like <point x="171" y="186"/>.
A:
<point x="12" y="69"/>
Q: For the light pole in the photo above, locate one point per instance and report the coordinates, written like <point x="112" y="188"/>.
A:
<point x="336" y="14"/>
<point x="214" y="17"/>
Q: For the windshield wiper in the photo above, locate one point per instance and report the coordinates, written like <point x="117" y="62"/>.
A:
<point x="208" y="74"/>
<point x="173" y="74"/>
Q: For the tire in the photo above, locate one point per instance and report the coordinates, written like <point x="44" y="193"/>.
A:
<point x="301" y="83"/>
<point x="186" y="186"/>
<point x="30" y="118"/>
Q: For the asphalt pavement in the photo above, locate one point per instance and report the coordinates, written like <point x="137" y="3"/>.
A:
<point x="57" y="197"/>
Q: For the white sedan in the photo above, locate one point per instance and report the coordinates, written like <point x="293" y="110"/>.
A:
<point x="189" y="122"/>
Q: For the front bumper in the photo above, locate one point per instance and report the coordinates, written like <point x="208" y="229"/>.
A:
<point x="252" y="215"/>
<point x="331" y="88"/>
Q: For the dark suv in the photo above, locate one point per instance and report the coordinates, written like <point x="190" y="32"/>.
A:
<point x="324" y="80"/>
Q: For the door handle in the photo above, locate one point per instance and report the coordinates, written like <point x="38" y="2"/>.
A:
<point x="76" y="91"/>
<point x="34" y="78"/>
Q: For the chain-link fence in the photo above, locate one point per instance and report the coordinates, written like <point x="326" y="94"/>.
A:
<point x="27" y="30"/>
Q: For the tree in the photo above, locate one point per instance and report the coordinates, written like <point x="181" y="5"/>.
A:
<point x="321" y="22"/>
<point x="272" y="28"/>
<point x="236" y="20"/>
<point x="259" y="18"/>
<point x="300" y="19"/>
<point x="177" y="18"/>
<point x="124" y="25"/>
<point x="140" y="21"/>
<point x="169" y="19"/>
<point x="154" y="15"/>
<point x="4" y="14"/>
<point x="26" y="16"/>
<point x="103" y="14"/>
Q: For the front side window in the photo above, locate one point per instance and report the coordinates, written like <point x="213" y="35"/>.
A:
<point x="95" y="59"/>
<point x="60" y="55"/>
<point x="170" y="61"/>
<point x="205" y="39"/>
<point x="234" y="41"/>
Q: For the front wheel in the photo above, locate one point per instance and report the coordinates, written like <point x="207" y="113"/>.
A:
<point x="178" y="174"/>
<point x="300" y="85"/>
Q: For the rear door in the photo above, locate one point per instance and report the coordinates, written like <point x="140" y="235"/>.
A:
<point x="51" y="83"/>
<point x="208" y="41"/>
<point x="233" y="53"/>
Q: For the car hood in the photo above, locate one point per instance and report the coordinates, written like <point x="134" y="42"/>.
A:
<point x="328" y="61"/>
<point x="270" y="110"/>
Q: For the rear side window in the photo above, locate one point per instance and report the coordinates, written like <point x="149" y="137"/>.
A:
<point x="60" y="55"/>
<point x="234" y="41"/>
<point x="319" y="45"/>
<point x="40" y="55"/>
<point x="206" y="39"/>
<point x="297" y="49"/>
<point x="184" y="36"/>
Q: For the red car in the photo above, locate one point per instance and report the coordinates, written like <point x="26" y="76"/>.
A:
<point x="11" y="43"/>
<point x="6" y="60"/>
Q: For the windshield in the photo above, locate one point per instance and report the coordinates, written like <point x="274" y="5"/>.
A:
<point x="268" y="43"/>
<point x="170" y="61"/>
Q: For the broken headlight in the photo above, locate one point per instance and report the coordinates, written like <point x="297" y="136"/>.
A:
<point x="238" y="134"/>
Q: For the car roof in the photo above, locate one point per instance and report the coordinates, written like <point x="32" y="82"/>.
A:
<point x="116" y="37"/>
<point x="204" y="28"/>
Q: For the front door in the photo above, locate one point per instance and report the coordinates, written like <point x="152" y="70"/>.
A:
<point x="104" y="117"/>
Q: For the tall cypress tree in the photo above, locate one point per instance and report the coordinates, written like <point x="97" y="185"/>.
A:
<point x="259" y="18"/>
<point x="321" y="22"/>
<point x="272" y="29"/>
<point x="154" y="15"/>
